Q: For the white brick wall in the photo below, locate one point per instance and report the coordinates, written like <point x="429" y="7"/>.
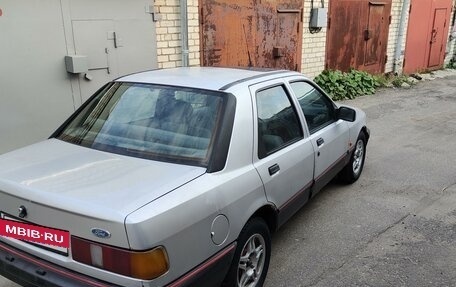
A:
<point x="451" y="45"/>
<point x="169" y="44"/>
<point x="313" y="45"/>
<point x="393" y="35"/>
<point x="169" y="40"/>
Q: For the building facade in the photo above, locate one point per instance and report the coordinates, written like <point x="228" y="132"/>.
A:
<point x="387" y="48"/>
<point x="56" y="53"/>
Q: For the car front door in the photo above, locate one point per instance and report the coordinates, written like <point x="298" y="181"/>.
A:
<point x="329" y="135"/>
<point x="283" y="153"/>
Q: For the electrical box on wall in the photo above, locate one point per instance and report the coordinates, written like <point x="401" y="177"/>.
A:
<point x="76" y="64"/>
<point x="318" y="18"/>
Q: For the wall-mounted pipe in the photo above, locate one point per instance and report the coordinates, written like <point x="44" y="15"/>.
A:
<point x="184" y="32"/>
<point x="400" y="37"/>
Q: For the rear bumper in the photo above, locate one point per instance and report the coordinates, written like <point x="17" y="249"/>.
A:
<point x="28" y="270"/>
<point x="210" y="273"/>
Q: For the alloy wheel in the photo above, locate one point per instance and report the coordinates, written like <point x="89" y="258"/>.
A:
<point x="251" y="262"/>
<point x="358" y="157"/>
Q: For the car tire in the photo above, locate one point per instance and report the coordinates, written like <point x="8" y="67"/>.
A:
<point x="251" y="258"/>
<point x="354" y="168"/>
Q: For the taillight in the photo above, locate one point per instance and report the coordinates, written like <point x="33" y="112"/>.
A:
<point x="145" y="265"/>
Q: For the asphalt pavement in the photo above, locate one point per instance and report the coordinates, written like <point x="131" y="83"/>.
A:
<point x="396" y="226"/>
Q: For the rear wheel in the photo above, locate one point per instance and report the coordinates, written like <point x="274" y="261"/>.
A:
<point x="353" y="169"/>
<point x="251" y="259"/>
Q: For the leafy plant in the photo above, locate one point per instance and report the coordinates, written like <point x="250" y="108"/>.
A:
<point x="397" y="81"/>
<point x="452" y="64"/>
<point x="347" y="85"/>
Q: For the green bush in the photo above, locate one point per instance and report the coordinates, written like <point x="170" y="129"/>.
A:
<point x="347" y="85"/>
<point x="452" y="64"/>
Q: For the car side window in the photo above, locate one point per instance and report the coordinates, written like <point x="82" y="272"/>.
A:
<point x="318" y="109"/>
<point x="278" y="122"/>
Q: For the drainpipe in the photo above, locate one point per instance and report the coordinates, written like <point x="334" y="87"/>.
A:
<point x="400" y="37"/>
<point x="184" y="32"/>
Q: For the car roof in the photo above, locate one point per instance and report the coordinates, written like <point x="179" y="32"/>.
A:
<point x="209" y="78"/>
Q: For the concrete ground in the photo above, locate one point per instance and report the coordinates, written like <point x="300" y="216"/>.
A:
<point x="396" y="226"/>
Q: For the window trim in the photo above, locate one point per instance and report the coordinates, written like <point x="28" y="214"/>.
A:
<point x="293" y="106"/>
<point x="323" y="93"/>
<point x="217" y="153"/>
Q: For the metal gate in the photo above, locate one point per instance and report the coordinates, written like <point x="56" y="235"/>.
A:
<point x="427" y="35"/>
<point x="358" y="35"/>
<point x="117" y="41"/>
<point x="437" y="51"/>
<point x="251" y="33"/>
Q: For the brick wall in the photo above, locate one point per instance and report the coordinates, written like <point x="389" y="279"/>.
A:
<point x="313" y="45"/>
<point x="451" y="45"/>
<point x="169" y="40"/>
<point x="169" y="44"/>
<point x="393" y="35"/>
<point x="193" y="33"/>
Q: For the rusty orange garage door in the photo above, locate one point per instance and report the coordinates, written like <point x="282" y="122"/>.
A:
<point x="358" y="35"/>
<point x="243" y="33"/>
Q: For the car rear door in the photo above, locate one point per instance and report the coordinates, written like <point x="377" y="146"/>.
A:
<point x="329" y="135"/>
<point x="283" y="152"/>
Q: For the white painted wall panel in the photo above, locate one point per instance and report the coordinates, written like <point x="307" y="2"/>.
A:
<point x="36" y="92"/>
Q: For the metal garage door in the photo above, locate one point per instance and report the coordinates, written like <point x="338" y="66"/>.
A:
<point x="427" y="34"/>
<point x="118" y="38"/>
<point x="358" y="35"/>
<point x="252" y="33"/>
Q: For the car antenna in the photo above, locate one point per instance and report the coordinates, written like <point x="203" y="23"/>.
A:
<point x="248" y="52"/>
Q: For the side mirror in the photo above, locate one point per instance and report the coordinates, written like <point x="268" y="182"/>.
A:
<point x="346" y="114"/>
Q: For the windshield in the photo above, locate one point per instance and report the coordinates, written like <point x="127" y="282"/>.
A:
<point x="149" y="121"/>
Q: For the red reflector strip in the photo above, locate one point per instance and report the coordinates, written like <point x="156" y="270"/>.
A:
<point x="114" y="259"/>
<point x="34" y="233"/>
<point x="81" y="250"/>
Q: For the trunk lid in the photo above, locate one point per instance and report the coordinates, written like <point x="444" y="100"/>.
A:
<point x="74" y="188"/>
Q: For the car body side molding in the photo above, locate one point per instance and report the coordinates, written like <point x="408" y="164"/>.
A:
<point x="289" y="208"/>
<point x="322" y="180"/>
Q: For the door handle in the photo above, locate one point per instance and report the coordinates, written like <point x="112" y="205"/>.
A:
<point x="434" y="36"/>
<point x="320" y="141"/>
<point x="274" y="169"/>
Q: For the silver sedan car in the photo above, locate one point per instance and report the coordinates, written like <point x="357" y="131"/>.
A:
<point x="173" y="177"/>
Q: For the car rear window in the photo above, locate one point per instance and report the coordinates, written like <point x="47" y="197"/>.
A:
<point x="148" y="121"/>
